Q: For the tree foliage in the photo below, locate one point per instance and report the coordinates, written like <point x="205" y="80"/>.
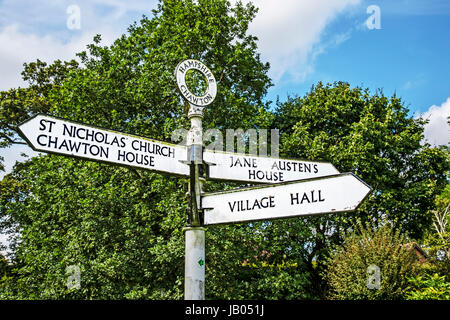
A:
<point x="437" y="239"/>
<point x="433" y="281"/>
<point x="372" y="136"/>
<point x="349" y="274"/>
<point x="102" y="220"/>
<point x="17" y="104"/>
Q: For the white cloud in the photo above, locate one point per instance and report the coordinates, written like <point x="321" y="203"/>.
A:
<point x="13" y="154"/>
<point x="437" y="130"/>
<point x="16" y="48"/>
<point x="39" y="30"/>
<point x="290" y="33"/>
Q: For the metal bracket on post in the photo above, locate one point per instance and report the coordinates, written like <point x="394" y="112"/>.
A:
<point x="195" y="160"/>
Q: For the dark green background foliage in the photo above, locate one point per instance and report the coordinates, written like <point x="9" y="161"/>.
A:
<point x="124" y="227"/>
<point x="372" y="136"/>
<point x="123" y="231"/>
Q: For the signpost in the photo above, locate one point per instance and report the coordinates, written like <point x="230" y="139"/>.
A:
<point x="296" y="187"/>
<point x="337" y="193"/>
<point x="194" y="266"/>
<point x="55" y="135"/>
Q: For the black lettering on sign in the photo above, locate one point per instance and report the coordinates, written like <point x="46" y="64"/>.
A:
<point x="92" y="135"/>
<point x="43" y="127"/>
<point x="265" y="175"/>
<point x="52" y="143"/>
<point x="242" y="162"/>
<point x="39" y="139"/>
<point x="248" y="205"/>
<point x="152" y="148"/>
<point x="136" y="158"/>
<point x="70" y="131"/>
<point x="307" y="197"/>
<point x="295" y="166"/>
<point x="73" y="147"/>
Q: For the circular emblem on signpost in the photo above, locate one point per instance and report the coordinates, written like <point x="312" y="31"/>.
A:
<point x="211" y="90"/>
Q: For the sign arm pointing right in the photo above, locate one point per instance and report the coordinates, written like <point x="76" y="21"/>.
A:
<point x="330" y="194"/>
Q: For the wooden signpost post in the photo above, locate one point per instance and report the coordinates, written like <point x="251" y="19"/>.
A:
<point x="292" y="187"/>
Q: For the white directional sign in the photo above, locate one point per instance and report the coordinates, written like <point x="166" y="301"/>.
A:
<point x="54" y="135"/>
<point x="337" y="193"/>
<point x="239" y="167"/>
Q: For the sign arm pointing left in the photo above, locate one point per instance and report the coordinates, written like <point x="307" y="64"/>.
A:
<point x="59" y="136"/>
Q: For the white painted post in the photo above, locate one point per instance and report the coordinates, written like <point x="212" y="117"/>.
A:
<point x="194" y="267"/>
<point x="194" y="272"/>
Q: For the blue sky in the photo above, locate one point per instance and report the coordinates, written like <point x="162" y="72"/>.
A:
<point x="409" y="55"/>
<point x="305" y="42"/>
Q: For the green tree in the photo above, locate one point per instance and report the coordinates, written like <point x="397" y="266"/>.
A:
<point x="262" y="263"/>
<point x="123" y="227"/>
<point x="372" y="136"/>
<point x="437" y="240"/>
<point x="353" y="267"/>
<point x="433" y="281"/>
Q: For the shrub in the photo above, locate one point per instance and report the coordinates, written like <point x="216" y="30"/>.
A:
<point x="368" y="251"/>
<point x="429" y="287"/>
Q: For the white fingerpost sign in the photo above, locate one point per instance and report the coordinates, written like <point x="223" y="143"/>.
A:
<point x="55" y="135"/>
<point x="238" y="167"/>
<point x="338" y="193"/>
